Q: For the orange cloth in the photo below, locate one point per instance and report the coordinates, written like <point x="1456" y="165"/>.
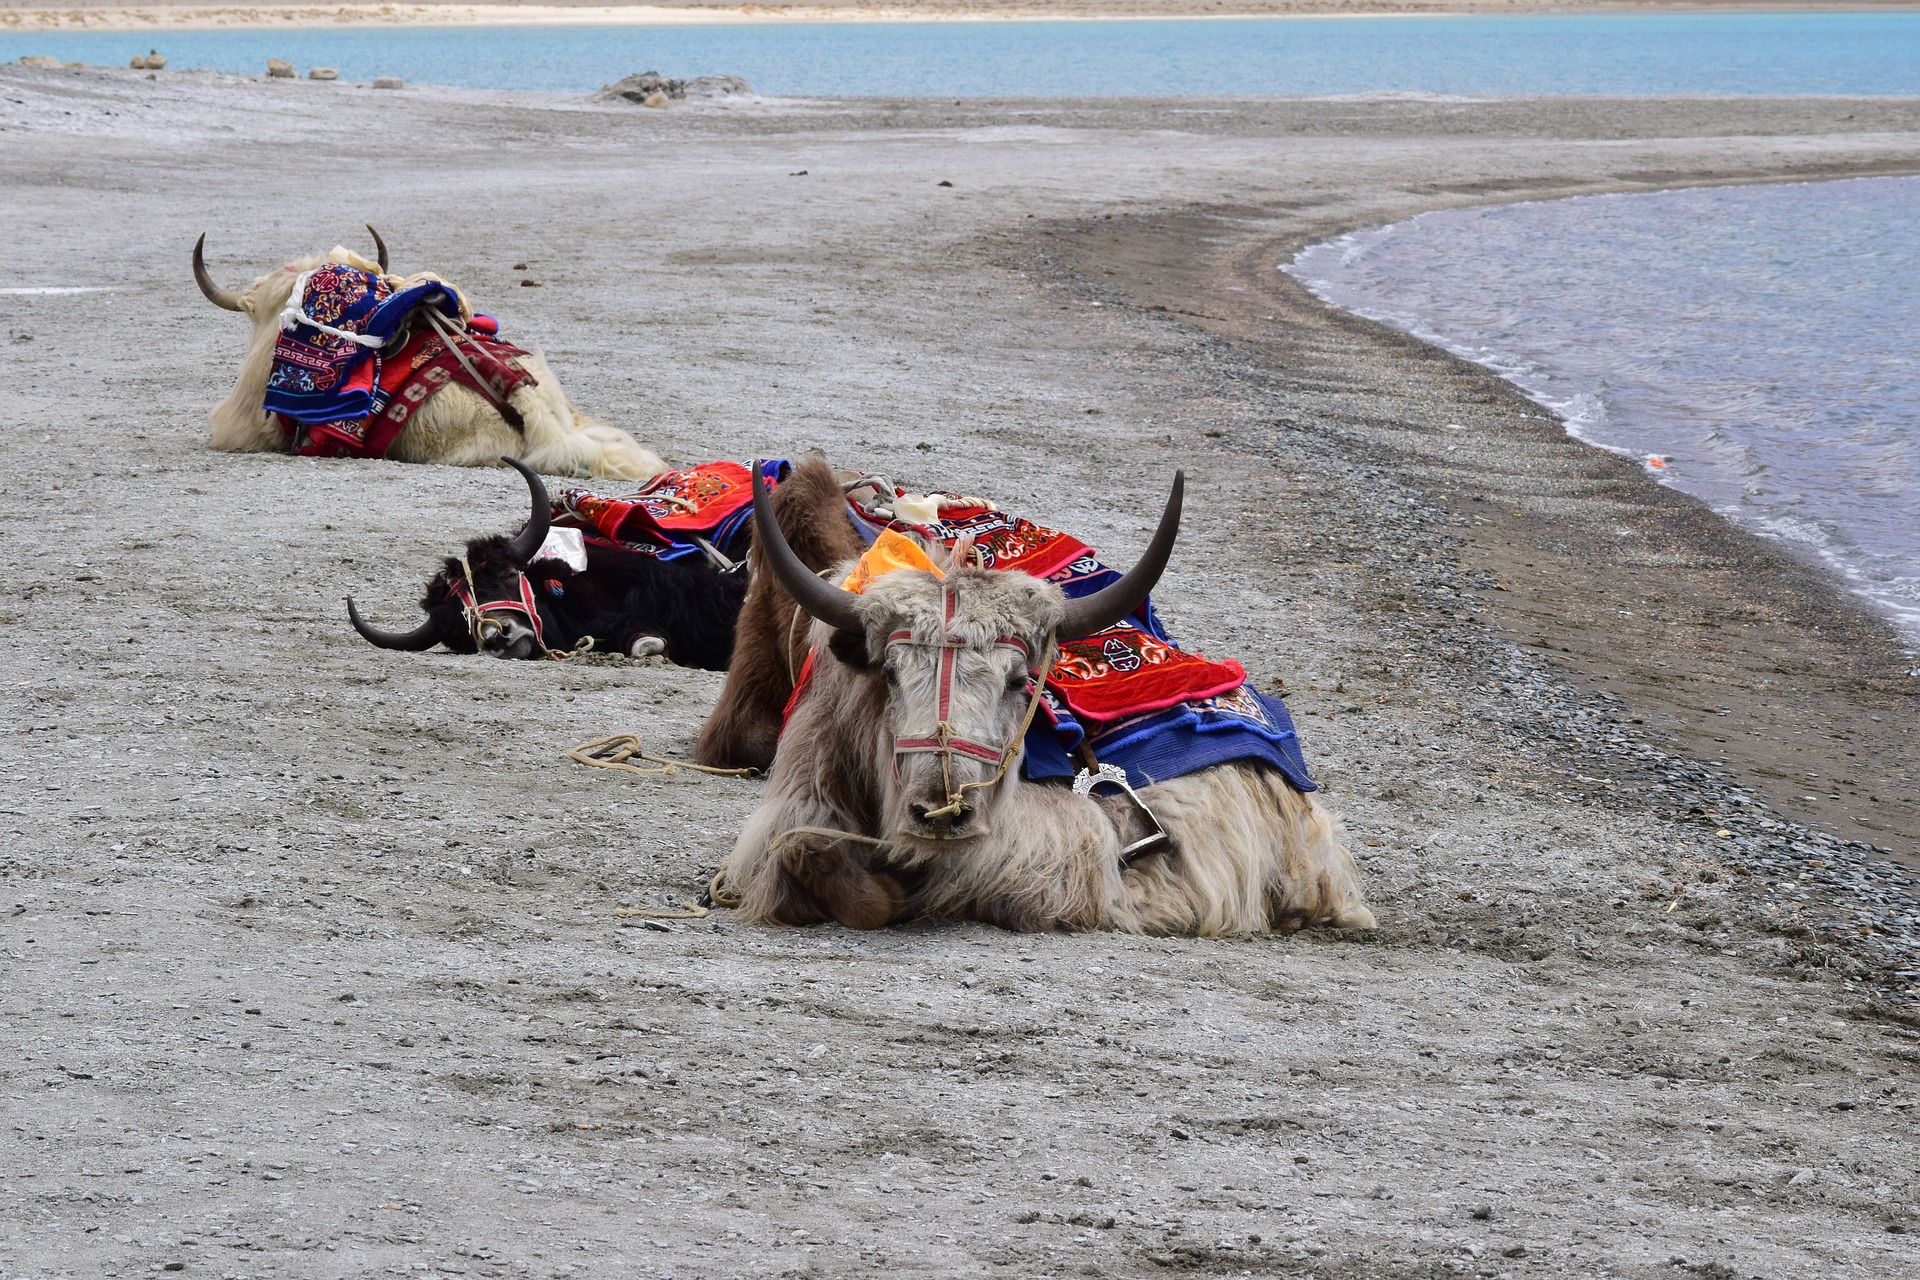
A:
<point x="889" y="551"/>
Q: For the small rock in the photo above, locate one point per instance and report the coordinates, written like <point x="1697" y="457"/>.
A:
<point x="389" y="82"/>
<point x="641" y="89"/>
<point x="40" y="60"/>
<point x="279" y="69"/>
<point x="718" y="87"/>
<point x="655" y="99"/>
<point x="323" y="73"/>
<point x="1801" y="1179"/>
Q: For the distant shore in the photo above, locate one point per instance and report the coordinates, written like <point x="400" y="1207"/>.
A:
<point x="31" y="15"/>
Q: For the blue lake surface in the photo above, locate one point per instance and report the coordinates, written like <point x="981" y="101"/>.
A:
<point x="1746" y="53"/>
<point x="1762" y="343"/>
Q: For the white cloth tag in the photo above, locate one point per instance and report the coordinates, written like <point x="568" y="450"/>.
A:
<point x="566" y="546"/>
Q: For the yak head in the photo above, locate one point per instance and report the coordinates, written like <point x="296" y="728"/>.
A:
<point x="960" y="658"/>
<point x="266" y="297"/>
<point x="241" y="421"/>
<point x="480" y="602"/>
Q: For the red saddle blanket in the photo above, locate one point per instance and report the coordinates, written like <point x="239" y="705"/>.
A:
<point x="406" y="380"/>
<point x="1129" y="669"/>
<point x="709" y="501"/>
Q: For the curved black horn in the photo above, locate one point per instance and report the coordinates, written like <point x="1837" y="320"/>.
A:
<point x="379" y="248"/>
<point x="821" y="600"/>
<point x="424" y="636"/>
<point x="529" y="539"/>
<point x="225" y="299"/>
<point x="1107" y="606"/>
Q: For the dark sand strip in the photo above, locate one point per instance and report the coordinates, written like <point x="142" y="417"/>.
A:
<point x="1723" y="647"/>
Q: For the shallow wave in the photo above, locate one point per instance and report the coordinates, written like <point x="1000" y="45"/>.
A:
<point x="1756" y="341"/>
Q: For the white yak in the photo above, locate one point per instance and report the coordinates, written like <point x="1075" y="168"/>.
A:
<point x="456" y="425"/>
<point x="896" y="789"/>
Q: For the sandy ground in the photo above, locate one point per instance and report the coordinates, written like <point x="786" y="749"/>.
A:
<point x="49" y="15"/>
<point x="308" y="952"/>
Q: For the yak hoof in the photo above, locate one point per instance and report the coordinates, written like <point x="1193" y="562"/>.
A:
<point x="1355" y="917"/>
<point x="647" y="647"/>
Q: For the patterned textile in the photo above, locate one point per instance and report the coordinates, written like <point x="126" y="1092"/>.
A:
<point x="710" y="501"/>
<point x="339" y="397"/>
<point x="1128" y="695"/>
<point x="1129" y="668"/>
<point x="409" y="378"/>
<point x="1005" y="541"/>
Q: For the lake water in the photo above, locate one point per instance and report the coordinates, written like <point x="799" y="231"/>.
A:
<point x="1758" y="347"/>
<point x="1761" y="53"/>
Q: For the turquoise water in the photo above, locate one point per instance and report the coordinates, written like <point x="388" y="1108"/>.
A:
<point x="1758" y="53"/>
<point x="1753" y="346"/>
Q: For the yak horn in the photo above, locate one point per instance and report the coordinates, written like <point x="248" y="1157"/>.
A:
<point x="530" y="539"/>
<point x="379" y="248"/>
<point x="422" y="637"/>
<point x="225" y="299"/>
<point x="821" y="600"/>
<point x="1107" y="606"/>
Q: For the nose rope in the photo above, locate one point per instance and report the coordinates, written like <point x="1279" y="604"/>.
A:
<point x="480" y="626"/>
<point x="957" y="796"/>
<point x="946" y="740"/>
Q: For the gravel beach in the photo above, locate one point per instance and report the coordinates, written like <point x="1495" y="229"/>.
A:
<point x="308" y="951"/>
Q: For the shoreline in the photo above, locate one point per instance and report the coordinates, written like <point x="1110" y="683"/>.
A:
<point x="188" y="15"/>
<point x="1571" y="610"/>
<point x="1902" y="618"/>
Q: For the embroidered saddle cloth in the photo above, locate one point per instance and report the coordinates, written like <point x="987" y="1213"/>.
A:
<point x="1129" y="695"/>
<point x="710" y="501"/>
<point x="349" y="370"/>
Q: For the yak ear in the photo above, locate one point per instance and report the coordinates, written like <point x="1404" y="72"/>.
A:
<point x="850" y="647"/>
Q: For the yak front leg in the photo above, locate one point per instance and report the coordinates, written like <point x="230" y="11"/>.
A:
<point x="835" y="881"/>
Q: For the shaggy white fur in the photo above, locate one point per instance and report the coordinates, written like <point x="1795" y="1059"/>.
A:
<point x="1249" y="854"/>
<point x="457" y="426"/>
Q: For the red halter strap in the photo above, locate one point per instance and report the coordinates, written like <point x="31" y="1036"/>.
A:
<point x="477" y="621"/>
<point x="945" y="743"/>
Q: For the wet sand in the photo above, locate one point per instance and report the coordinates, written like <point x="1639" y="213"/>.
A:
<point x="311" y="949"/>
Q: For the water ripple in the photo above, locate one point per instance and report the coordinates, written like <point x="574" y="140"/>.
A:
<point x="1753" y="346"/>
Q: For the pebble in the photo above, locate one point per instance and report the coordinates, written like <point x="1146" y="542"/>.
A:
<point x="389" y="82"/>
<point x="1840" y="887"/>
<point x="323" y="73"/>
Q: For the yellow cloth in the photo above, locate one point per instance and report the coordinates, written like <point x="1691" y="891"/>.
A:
<point x="889" y="551"/>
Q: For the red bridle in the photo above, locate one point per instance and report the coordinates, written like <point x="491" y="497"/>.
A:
<point x="476" y="613"/>
<point x="946" y="743"/>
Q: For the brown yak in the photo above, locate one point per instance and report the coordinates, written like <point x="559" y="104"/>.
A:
<point x="770" y="638"/>
<point x="896" y="790"/>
